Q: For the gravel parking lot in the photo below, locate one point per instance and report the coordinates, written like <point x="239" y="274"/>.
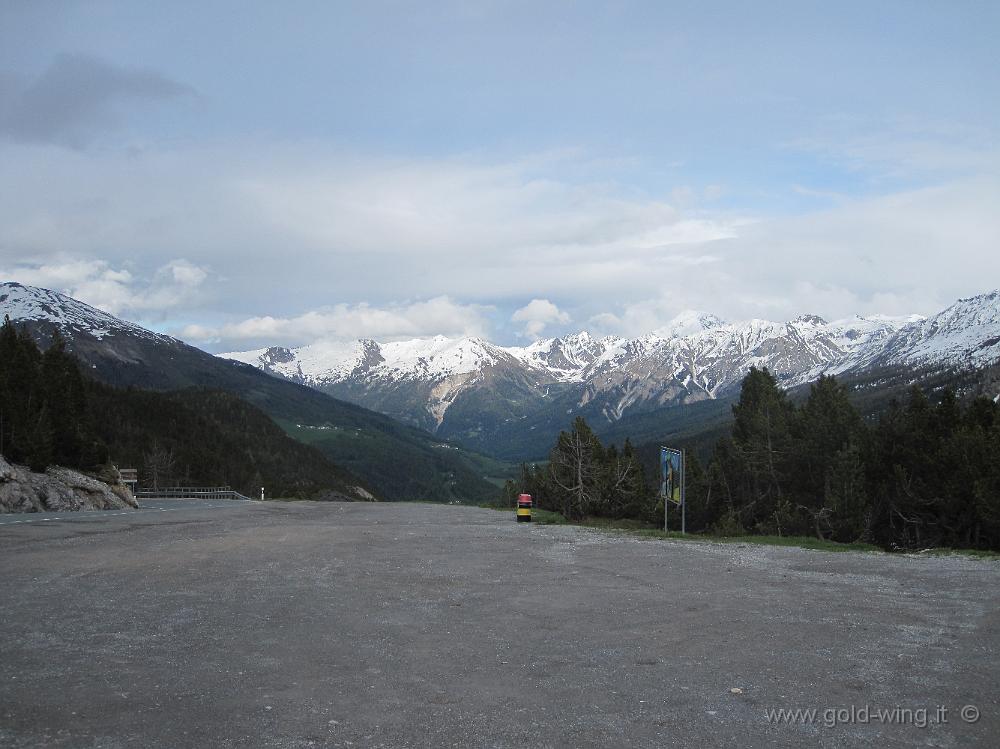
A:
<point x="328" y="624"/>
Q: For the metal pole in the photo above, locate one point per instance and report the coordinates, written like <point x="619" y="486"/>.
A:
<point x="663" y="486"/>
<point x="684" y="499"/>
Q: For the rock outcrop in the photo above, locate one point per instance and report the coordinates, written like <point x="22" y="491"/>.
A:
<point x="59" y="490"/>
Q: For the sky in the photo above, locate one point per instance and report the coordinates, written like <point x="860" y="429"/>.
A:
<point x="244" y="174"/>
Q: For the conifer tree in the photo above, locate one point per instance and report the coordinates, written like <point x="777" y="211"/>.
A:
<point x="37" y="444"/>
<point x="628" y="492"/>
<point x="761" y="441"/>
<point x="63" y="390"/>
<point x="827" y="463"/>
<point x="24" y="428"/>
<point x="575" y="465"/>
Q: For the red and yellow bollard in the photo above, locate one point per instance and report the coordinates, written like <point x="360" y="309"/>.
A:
<point x="524" y="508"/>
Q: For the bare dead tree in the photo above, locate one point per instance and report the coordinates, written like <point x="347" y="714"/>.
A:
<point x="618" y="489"/>
<point x="821" y="520"/>
<point x="160" y="466"/>
<point x="573" y="466"/>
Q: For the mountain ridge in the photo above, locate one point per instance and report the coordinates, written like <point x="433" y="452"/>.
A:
<point x="476" y="392"/>
<point x="511" y="401"/>
<point x="397" y="460"/>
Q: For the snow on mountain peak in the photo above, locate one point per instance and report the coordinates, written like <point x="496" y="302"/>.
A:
<point x="564" y="358"/>
<point x="966" y="333"/>
<point x="417" y="358"/>
<point x="696" y="354"/>
<point x="688" y="323"/>
<point x="31" y="303"/>
<point x="810" y="320"/>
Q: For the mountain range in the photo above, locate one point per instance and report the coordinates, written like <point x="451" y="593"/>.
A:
<point x="418" y="418"/>
<point x="394" y="460"/>
<point x="485" y="396"/>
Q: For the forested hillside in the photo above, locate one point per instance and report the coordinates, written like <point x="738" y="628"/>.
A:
<point x="210" y="437"/>
<point x="399" y="462"/>
<point x="51" y="415"/>
<point x="924" y="474"/>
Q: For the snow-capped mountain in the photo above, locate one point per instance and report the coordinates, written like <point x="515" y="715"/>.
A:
<point x="30" y="304"/>
<point x="488" y="396"/>
<point x="124" y="354"/>
<point x="466" y="387"/>
<point x="965" y="335"/>
<point x="419" y="359"/>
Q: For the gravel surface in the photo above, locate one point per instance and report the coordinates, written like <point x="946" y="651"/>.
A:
<point x="370" y="625"/>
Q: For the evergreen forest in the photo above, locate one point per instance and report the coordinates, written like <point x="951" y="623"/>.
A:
<point x="924" y="473"/>
<point x="51" y="414"/>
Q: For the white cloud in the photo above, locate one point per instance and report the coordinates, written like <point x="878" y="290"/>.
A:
<point x="636" y="318"/>
<point x="339" y="228"/>
<point x="909" y="252"/>
<point x="435" y="316"/>
<point x="185" y="273"/>
<point x="289" y="229"/>
<point x="537" y="315"/>
<point x="114" y="290"/>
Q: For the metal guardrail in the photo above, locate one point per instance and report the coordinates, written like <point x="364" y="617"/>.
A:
<point x="190" y="492"/>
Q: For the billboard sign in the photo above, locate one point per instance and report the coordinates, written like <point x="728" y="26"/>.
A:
<point x="671" y="474"/>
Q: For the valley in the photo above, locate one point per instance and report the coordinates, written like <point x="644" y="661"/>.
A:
<point x="394" y="460"/>
<point x="511" y="401"/>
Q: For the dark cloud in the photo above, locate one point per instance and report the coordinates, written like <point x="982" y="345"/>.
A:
<point x="76" y="98"/>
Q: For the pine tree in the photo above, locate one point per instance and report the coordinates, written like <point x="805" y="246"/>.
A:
<point x="63" y="390"/>
<point x="986" y="488"/>
<point x="826" y="456"/>
<point x="508" y="495"/>
<point x="575" y="468"/>
<point x="38" y="441"/>
<point x="761" y="446"/>
<point x="638" y="500"/>
<point x="705" y="497"/>
<point x="8" y="344"/>
<point x="24" y="427"/>
<point x="845" y="497"/>
<point x="624" y="492"/>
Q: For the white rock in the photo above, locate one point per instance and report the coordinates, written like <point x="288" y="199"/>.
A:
<point x="57" y="490"/>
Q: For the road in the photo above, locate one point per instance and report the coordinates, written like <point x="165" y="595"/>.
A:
<point x="327" y="625"/>
<point x="148" y="506"/>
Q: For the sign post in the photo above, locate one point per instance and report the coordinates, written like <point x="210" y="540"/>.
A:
<point x="672" y="483"/>
<point x="684" y="503"/>
<point x="130" y="477"/>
